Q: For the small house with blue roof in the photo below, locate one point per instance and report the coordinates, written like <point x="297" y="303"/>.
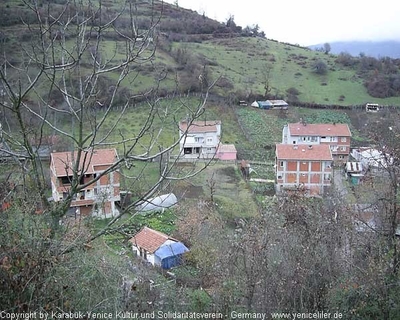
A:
<point x="158" y="248"/>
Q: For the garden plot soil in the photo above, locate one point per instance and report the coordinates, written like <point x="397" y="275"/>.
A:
<point x="189" y="189"/>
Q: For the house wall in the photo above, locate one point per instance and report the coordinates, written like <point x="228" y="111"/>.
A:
<point x="227" y="155"/>
<point x="207" y="142"/>
<point x="98" y="198"/>
<point x="339" y="145"/>
<point x="314" y="175"/>
<point x="150" y="256"/>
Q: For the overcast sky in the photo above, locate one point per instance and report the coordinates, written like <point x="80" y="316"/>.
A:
<point x="308" y="22"/>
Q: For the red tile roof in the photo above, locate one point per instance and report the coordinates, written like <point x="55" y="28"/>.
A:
<point x="62" y="162"/>
<point x="303" y="152"/>
<point x="322" y="129"/>
<point x="149" y="239"/>
<point x="199" y="126"/>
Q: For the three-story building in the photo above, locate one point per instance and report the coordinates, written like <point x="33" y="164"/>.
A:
<point x="98" y="198"/>
<point x="337" y="136"/>
<point x="305" y="166"/>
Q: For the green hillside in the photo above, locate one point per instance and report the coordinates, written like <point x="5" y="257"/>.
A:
<point x="185" y="44"/>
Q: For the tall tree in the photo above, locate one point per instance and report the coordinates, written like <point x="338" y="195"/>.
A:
<point x="68" y="55"/>
<point x="327" y="48"/>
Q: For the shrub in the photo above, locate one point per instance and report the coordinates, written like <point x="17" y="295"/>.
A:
<point x="320" y="67"/>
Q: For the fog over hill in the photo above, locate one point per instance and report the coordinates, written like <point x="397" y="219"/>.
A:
<point x="370" y="48"/>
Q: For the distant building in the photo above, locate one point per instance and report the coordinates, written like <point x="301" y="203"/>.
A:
<point x="97" y="199"/>
<point x="201" y="139"/>
<point x="306" y="166"/>
<point x="336" y="135"/>
<point x="270" y="104"/>
<point x="372" y="107"/>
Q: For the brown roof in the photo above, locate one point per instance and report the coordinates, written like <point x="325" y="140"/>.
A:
<point x="322" y="129"/>
<point x="62" y="162"/>
<point x="149" y="239"/>
<point x="199" y="126"/>
<point x="303" y="152"/>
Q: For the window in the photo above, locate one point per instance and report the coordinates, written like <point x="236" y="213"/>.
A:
<point x="340" y="157"/>
<point x="281" y="163"/>
<point x="333" y="139"/>
<point x="328" y="165"/>
<point x="198" y="139"/>
<point x="342" y="148"/>
<point x="209" y="139"/>
<point x="279" y="177"/>
<point x="343" y="139"/>
<point x="66" y="180"/>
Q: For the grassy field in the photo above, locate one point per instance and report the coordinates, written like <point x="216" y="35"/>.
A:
<point x="245" y="62"/>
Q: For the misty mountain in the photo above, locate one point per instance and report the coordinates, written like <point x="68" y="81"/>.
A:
<point x="370" y="48"/>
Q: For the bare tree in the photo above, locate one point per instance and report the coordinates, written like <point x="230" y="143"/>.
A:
<point x="67" y="56"/>
<point x="267" y="80"/>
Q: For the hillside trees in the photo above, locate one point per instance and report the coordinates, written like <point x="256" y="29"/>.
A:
<point x="320" y="67"/>
<point x="66" y="80"/>
<point x="327" y="48"/>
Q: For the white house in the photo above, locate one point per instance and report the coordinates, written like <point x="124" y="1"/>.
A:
<point x="199" y="139"/>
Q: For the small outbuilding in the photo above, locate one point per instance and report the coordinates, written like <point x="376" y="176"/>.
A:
<point x="262" y="104"/>
<point x="158" y="248"/>
<point x="354" y="172"/>
<point x="170" y="255"/>
<point x="226" y="152"/>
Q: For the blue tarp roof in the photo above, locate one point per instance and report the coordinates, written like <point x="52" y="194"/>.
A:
<point x="170" y="250"/>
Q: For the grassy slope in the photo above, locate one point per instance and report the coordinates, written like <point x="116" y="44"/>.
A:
<point x="241" y="60"/>
<point x="244" y="61"/>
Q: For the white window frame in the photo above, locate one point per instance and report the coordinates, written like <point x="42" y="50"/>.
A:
<point x="343" y="139"/>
